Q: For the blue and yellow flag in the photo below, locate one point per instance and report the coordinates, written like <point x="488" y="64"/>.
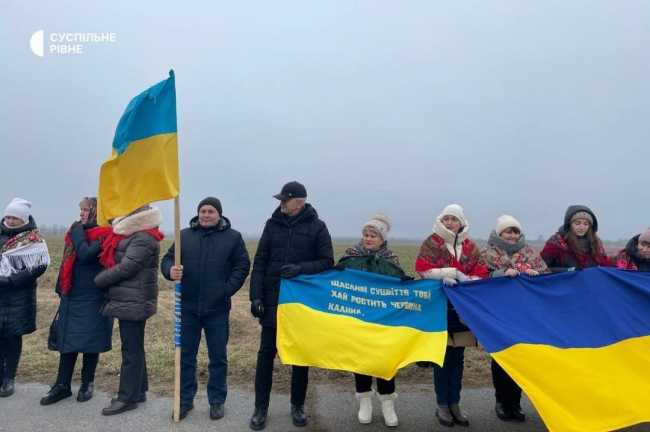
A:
<point x="361" y="322"/>
<point x="143" y="167"/>
<point x="577" y="343"/>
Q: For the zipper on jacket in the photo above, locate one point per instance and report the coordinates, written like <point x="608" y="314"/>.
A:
<point x="286" y="256"/>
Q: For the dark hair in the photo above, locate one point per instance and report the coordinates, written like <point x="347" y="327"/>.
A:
<point x="574" y="244"/>
<point x="513" y="229"/>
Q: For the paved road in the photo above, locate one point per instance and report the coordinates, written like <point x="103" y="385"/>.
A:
<point x="328" y="410"/>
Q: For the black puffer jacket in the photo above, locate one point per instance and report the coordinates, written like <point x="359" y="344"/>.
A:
<point x="132" y="283"/>
<point x="302" y="239"/>
<point x="18" y="291"/>
<point x="81" y="327"/>
<point x="215" y="266"/>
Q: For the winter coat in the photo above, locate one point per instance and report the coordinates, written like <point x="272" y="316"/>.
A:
<point x="372" y="262"/>
<point x="81" y="328"/>
<point x="499" y="256"/>
<point x="559" y="257"/>
<point x="132" y="283"/>
<point x="630" y="258"/>
<point x="18" y="297"/>
<point x="303" y="240"/>
<point x="215" y="266"/>
<point x="442" y="255"/>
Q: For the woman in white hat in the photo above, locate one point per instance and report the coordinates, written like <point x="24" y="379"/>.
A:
<point x="23" y="259"/>
<point x="372" y="254"/>
<point x="448" y="254"/>
<point x="507" y="254"/>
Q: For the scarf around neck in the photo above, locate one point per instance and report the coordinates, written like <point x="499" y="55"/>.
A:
<point x="25" y="251"/>
<point x="384" y="253"/>
<point x="70" y="256"/>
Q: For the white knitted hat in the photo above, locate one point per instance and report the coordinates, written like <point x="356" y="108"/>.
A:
<point x="381" y="223"/>
<point x="454" y="210"/>
<point x="19" y="208"/>
<point x="507" y="221"/>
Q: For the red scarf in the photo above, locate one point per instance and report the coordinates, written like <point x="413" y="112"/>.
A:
<point x="107" y="257"/>
<point x="69" y="255"/>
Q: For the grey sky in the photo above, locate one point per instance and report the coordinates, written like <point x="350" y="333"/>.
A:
<point x="399" y="107"/>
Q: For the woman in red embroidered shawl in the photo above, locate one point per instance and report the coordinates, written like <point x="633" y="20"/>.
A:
<point x="81" y="328"/>
<point x="576" y="245"/>
<point x="448" y="254"/>
<point x="131" y="255"/>
<point x="507" y="254"/>
<point x="636" y="255"/>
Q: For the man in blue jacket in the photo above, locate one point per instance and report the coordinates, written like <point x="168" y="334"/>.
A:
<point x="214" y="266"/>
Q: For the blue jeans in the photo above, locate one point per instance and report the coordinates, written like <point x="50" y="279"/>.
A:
<point x="217" y="330"/>
<point x="448" y="379"/>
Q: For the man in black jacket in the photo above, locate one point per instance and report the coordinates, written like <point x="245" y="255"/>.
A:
<point x="214" y="266"/>
<point x="295" y="241"/>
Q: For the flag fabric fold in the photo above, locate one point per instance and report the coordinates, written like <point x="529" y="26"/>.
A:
<point x="143" y="166"/>
<point x="361" y="322"/>
<point x="578" y="343"/>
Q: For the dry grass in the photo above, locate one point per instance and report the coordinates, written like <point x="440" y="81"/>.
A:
<point x="39" y="364"/>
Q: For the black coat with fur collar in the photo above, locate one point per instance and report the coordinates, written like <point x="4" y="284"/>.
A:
<point x="132" y="284"/>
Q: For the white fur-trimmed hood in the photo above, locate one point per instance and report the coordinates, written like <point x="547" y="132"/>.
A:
<point x="127" y="225"/>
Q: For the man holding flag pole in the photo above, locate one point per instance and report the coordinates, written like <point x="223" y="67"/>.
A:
<point x="142" y="169"/>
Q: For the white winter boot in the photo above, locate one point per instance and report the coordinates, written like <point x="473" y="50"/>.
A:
<point x="365" y="406"/>
<point x="388" y="408"/>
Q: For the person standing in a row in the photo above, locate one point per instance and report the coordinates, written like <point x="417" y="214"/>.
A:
<point x="576" y="245"/>
<point x="23" y="259"/>
<point x="508" y="255"/>
<point x="214" y="266"/>
<point x="294" y="242"/>
<point x="373" y="255"/>
<point x="636" y="255"/>
<point x="449" y="255"/>
<point x="131" y="255"/>
<point x="81" y="328"/>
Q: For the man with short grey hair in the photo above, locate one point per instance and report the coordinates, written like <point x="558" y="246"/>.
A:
<point x="294" y="242"/>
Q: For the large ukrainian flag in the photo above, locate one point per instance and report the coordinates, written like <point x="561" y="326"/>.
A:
<point x="578" y="343"/>
<point x="361" y="322"/>
<point x="143" y="167"/>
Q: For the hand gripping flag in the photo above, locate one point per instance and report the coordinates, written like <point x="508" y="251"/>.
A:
<point x="143" y="167"/>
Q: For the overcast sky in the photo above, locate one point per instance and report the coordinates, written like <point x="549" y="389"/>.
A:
<point x="398" y="107"/>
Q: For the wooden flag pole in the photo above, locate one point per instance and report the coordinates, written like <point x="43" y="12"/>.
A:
<point x="177" y="311"/>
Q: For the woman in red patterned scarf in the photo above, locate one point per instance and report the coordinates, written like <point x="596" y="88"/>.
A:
<point x="81" y="328"/>
<point x="508" y="255"/>
<point x="576" y="245"/>
<point x="23" y="259"/>
<point x="448" y="254"/>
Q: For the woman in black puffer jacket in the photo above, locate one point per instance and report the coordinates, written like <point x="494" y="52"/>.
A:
<point x="131" y="256"/>
<point x="23" y="259"/>
<point x="80" y="328"/>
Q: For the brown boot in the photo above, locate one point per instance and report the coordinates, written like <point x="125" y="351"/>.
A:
<point x="444" y="416"/>
<point x="458" y="416"/>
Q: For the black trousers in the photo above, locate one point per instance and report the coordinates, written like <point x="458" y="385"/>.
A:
<point x="66" y="367"/>
<point x="506" y="390"/>
<point x="10" y="350"/>
<point x="364" y="384"/>
<point x="133" y="373"/>
<point x="264" y="373"/>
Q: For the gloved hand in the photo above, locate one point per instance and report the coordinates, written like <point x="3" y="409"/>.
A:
<point x="450" y="282"/>
<point x="406" y="278"/>
<point x="339" y="267"/>
<point x="290" y="270"/>
<point x="75" y="224"/>
<point x="462" y="277"/>
<point x="257" y="308"/>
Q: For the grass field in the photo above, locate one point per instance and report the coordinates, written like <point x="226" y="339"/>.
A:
<point x="39" y="364"/>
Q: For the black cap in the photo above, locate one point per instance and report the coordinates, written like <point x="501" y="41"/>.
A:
<point x="291" y="190"/>
<point x="212" y="201"/>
